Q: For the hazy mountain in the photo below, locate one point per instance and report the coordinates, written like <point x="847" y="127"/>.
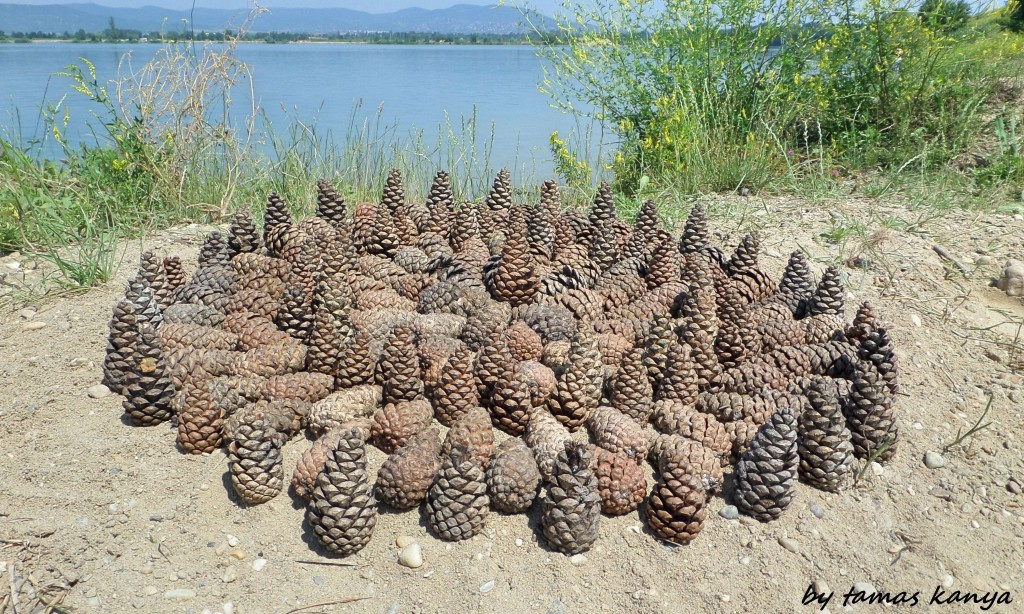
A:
<point x="461" y="18"/>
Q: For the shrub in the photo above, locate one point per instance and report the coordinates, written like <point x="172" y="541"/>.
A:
<point x="945" y="15"/>
<point x="715" y="95"/>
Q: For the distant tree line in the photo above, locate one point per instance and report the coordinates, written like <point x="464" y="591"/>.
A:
<point x="116" y="34"/>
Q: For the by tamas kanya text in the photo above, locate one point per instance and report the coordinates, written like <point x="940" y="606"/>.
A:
<point x="940" y="596"/>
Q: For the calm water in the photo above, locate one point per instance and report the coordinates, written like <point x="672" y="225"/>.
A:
<point x="413" y="87"/>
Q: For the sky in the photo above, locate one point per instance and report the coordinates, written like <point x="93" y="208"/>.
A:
<point x="371" y="6"/>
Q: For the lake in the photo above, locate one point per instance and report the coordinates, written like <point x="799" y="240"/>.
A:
<point x="410" y="87"/>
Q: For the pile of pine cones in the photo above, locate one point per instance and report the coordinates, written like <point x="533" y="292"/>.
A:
<point x="539" y="322"/>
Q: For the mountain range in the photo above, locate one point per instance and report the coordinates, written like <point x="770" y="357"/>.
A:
<point x="458" y="19"/>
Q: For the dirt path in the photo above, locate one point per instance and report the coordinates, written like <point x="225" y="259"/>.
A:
<point x="120" y="521"/>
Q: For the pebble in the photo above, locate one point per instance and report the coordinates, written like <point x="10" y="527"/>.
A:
<point x="578" y="559"/>
<point x="318" y="580"/>
<point x="519" y="542"/>
<point x="915" y="319"/>
<point x="411" y="556"/>
<point x="817" y="511"/>
<point x="237" y="554"/>
<point x="180" y="594"/>
<point x="729" y="512"/>
<point x="947" y="581"/>
<point x="99" y="391"/>
<point x="27" y="314"/>
<point x="877" y="469"/>
<point x="1013" y="486"/>
<point x="934" y="460"/>
<point x="232" y="541"/>
<point x="150" y="590"/>
<point x="821" y="587"/>
<point x="790" y="544"/>
<point x="725" y="598"/>
<point x="33" y="325"/>
<point x="487" y="587"/>
<point x="403" y="541"/>
<point x="984" y="260"/>
<point x="864" y="587"/>
<point x="393" y="609"/>
<point x="230" y="574"/>
<point x="745" y="560"/>
<point x="259" y="564"/>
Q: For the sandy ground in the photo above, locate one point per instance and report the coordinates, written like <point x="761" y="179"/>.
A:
<point x="110" y="518"/>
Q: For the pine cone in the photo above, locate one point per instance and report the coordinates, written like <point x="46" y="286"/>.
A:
<point x="343" y="510"/>
<point x="399" y="370"/>
<point x="398" y="422"/>
<point x="472" y="430"/>
<point x="148" y="389"/>
<point x="551" y="323"/>
<point x="617" y="432"/>
<point x="309" y="387"/>
<point x="540" y="381"/>
<point x="406" y="476"/>
<point x="456" y="389"/>
<point x="512" y="477"/>
<point x="522" y="342"/>
<point x="457" y="502"/>
<point x="546" y="437"/>
<point x="580" y="383"/>
<point x="284" y="417"/>
<point x="254" y="460"/>
<point x="869" y="415"/>
<point x="189" y="313"/>
<point x="356" y="363"/>
<point x="705" y="461"/>
<point x="677" y="508"/>
<point x="570" y="513"/>
<point x="311" y="463"/>
<point x="510" y="400"/>
<point x="200" y="422"/>
<point x="242" y="234"/>
<point x="343" y="406"/>
<point x="630" y="388"/>
<point x="674" y="418"/>
<point x="119" y="359"/>
<point x="826" y="454"/>
<point x="620" y="481"/>
<point x="695" y="237"/>
<point x="767" y="472"/>
<point x="679" y="381"/>
<point x="329" y="203"/>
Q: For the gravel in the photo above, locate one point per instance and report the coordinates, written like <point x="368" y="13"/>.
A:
<point x="729" y="512"/>
<point x="934" y="460"/>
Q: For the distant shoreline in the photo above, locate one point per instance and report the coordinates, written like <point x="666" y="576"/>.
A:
<point x="445" y="43"/>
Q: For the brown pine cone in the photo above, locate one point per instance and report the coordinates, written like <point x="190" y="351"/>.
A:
<point x="200" y="422"/>
<point x="472" y="430"/>
<point x="570" y="513"/>
<point x="674" y="418"/>
<point x="705" y="461"/>
<point x="580" y="383"/>
<point x="397" y="422"/>
<point x="620" y="481"/>
<point x="254" y="460"/>
<point x="309" y="387"/>
<point x="546" y="437"/>
<point x="630" y="387"/>
<point x="677" y="507"/>
<point x="406" y="476"/>
<point x="311" y="463"/>
<point x="617" y="432"/>
<point x="398" y="370"/>
<point x="512" y="477"/>
<point x="285" y="417"/>
<point x="342" y="407"/>
<point x="456" y="389"/>
<point x="767" y="472"/>
<point x="522" y="342"/>
<point x="457" y="502"/>
<point x="539" y="380"/>
<point x="343" y="510"/>
<point x="826" y="454"/>
<point x="148" y="389"/>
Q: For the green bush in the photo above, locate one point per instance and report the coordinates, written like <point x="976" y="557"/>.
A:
<point x="945" y="15"/>
<point x="721" y="95"/>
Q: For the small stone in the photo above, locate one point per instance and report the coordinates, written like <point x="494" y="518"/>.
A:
<point x="411" y="556"/>
<point x="27" y="314"/>
<point x="150" y="590"/>
<point x="578" y="559"/>
<point x="487" y="587"/>
<point x="790" y="544"/>
<point x="745" y="560"/>
<point x="864" y="587"/>
<point x="259" y="564"/>
<point x="817" y="511"/>
<point x="994" y="355"/>
<point x="156" y="518"/>
<point x="915" y="319"/>
<point x="232" y="540"/>
<point x="180" y="594"/>
<point x="975" y="524"/>
<point x="934" y="460"/>
<point x="821" y="587"/>
<point x="148" y="569"/>
<point x="947" y="581"/>
<point x="725" y="598"/>
<point x="984" y="260"/>
<point x="1014" y="487"/>
<point x="318" y="580"/>
<point x="403" y="541"/>
<point x="877" y="469"/>
<point x="729" y="512"/>
<point x="519" y="542"/>
<point x="941" y="493"/>
<point x="1011" y="281"/>
<point x="237" y="554"/>
<point x="393" y="609"/>
<point x="230" y="574"/>
<point x="33" y="325"/>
